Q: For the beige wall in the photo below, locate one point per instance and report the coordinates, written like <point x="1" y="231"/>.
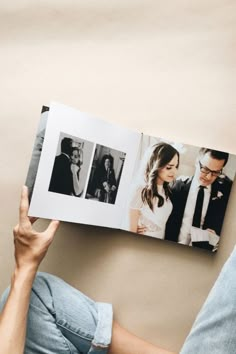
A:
<point x="166" y="68"/>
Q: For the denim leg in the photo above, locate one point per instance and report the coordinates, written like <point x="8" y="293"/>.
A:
<point x="62" y="320"/>
<point x="214" y="330"/>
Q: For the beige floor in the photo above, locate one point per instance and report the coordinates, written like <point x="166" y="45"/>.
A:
<point x="163" y="67"/>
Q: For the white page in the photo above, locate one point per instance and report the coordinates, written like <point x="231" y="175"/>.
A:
<point x="96" y="133"/>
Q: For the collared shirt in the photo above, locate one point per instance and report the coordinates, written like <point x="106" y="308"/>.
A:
<point x="63" y="153"/>
<point x="185" y="231"/>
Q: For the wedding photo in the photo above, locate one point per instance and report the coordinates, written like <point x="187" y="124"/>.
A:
<point x="105" y="174"/>
<point x="180" y="193"/>
<point x="71" y="165"/>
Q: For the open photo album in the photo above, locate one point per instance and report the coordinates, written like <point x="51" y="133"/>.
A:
<point x="86" y="170"/>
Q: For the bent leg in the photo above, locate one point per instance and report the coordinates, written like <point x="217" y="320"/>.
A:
<point x="214" y="330"/>
<point x="85" y="324"/>
<point x="62" y="320"/>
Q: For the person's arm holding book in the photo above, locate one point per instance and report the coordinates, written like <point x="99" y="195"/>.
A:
<point x="30" y="248"/>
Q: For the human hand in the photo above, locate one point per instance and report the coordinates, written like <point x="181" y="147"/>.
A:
<point x="30" y="245"/>
<point x="214" y="240"/>
<point x="97" y="193"/>
<point x="212" y="231"/>
<point x="106" y="186"/>
<point x="141" y="229"/>
<point x="107" y="189"/>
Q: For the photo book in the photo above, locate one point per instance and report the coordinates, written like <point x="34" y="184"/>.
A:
<point x="86" y="170"/>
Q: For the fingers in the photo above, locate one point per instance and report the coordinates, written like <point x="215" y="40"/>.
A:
<point x="52" y="227"/>
<point x="24" y="205"/>
<point x="141" y="230"/>
<point x="16" y="230"/>
<point x="212" y="231"/>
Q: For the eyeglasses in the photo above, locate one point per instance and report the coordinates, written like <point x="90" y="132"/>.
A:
<point x="206" y="171"/>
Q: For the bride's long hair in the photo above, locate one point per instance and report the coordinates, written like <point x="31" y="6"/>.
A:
<point x="159" y="156"/>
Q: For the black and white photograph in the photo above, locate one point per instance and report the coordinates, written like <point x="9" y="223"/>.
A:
<point x="37" y="150"/>
<point x="71" y="166"/>
<point x="180" y="193"/>
<point x="105" y="174"/>
<point x="77" y="150"/>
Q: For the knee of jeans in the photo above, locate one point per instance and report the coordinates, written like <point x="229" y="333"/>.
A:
<point x="4" y="298"/>
<point x="43" y="280"/>
<point x="41" y="284"/>
<point x="40" y="291"/>
<point x="41" y="296"/>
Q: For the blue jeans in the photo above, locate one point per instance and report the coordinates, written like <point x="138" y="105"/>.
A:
<point x="214" y="331"/>
<point x="62" y="320"/>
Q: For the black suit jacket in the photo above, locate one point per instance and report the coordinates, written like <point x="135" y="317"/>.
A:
<point x="61" y="179"/>
<point x="215" y="212"/>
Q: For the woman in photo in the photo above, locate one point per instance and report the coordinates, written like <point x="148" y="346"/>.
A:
<point x="150" y="204"/>
<point x="76" y="162"/>
<point x="76" y="156"/>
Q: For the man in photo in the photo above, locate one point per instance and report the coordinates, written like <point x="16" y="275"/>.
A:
<point x="104" y="183"/>
<point x="62" y="177"/>
<point x="199" y="202"/>
<point x="106" y="180"/>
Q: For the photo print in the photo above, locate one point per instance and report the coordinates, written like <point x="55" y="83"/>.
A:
<point x="180" y="193"/>
<point x="105" y="174"/>
<point x="71" y="166"/>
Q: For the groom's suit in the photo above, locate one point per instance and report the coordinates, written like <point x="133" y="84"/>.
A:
<point x="62" y="179"/>
<point x="220" y="190"/>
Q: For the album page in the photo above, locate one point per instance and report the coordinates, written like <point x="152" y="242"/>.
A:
<point x="84" y="170"/>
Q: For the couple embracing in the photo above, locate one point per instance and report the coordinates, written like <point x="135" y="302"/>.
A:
<point x="66" y="168"/>
<point x="187" y="210"/>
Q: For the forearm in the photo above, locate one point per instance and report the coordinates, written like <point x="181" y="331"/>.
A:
<point x="124" y="342"/>
<point x="13" y="319"/>
<point x="76" y="184"/>
<point x="30" y="248"/>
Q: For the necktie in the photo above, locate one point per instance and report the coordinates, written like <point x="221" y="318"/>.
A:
<point x="198" y="207"/>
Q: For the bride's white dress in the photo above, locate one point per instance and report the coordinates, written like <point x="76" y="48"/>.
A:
<point x="154" y="221"/>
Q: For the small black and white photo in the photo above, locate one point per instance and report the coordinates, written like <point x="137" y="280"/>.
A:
<point x="71" y="165"/>
<point x="105" y="175"/>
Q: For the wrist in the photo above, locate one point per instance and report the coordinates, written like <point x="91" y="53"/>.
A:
<point x="21" y="284"/>
<point x="24" y="273"/>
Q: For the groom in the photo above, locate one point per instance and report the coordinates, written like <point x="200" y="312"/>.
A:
<point x="62" y="177"/>
<point x="199" y="202"/>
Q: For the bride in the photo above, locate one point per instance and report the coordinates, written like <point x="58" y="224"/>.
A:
<point x="150" y="204"/>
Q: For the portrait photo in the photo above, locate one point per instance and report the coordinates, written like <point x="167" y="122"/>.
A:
<point x="71" y="166"/>
<point x="105" y="174"/>
<point x="180" y="192"/>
